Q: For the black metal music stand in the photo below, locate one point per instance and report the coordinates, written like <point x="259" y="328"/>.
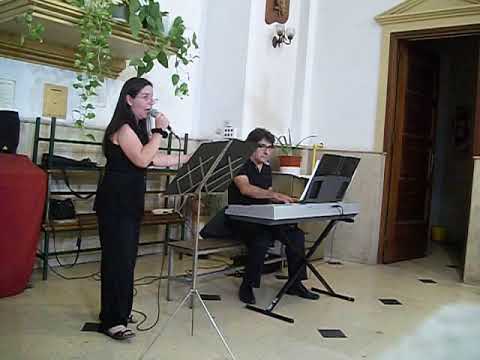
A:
<point x="210" y="169"/>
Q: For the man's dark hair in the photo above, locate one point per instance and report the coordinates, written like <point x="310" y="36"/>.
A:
<point x="258" y="134"/>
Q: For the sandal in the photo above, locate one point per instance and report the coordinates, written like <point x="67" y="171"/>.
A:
<point x="119" y="332"/>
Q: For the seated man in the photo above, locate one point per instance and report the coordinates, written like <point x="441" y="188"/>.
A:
<point x="251" y="186"/>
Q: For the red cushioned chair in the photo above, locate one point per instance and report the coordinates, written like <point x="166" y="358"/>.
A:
<point x="23" y="187"/>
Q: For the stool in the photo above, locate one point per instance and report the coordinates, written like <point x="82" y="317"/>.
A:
<point x="205" y="247"/>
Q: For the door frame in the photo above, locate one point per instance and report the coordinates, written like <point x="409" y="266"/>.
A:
<point x="391" y="111"/>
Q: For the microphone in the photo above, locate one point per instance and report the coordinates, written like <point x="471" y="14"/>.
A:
<point x="153" y="114"/>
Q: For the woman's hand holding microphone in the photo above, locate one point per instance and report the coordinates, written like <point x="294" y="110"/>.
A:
<point x="161" y="121"/>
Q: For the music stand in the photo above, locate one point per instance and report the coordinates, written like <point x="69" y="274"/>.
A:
<point x="210" y="169"/>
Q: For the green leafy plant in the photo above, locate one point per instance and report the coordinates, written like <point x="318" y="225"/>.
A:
<point x="93" y="54"/>
<point x="162" y="44"/>
<point x="286" y="144"/>
<point x="32" y="30"/>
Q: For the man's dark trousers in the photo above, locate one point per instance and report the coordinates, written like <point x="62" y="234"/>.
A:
<point x="258" y="238"/>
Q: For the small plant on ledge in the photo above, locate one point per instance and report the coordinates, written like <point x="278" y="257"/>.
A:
<point x="287" y="146"/>
<point x="290" y="163"/>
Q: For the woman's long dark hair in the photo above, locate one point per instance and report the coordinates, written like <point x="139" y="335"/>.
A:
<point x="123" y="113"/>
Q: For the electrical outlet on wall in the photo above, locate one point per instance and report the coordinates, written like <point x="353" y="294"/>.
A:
<point x="229" y="131"/>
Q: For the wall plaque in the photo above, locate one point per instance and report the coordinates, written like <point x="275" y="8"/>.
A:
<point x="277" y="11"/>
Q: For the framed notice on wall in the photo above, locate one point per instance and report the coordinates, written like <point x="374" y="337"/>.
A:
<point x="7" y="94"/>
<point x="55" y="101"/>
<point x="277" y="11"/>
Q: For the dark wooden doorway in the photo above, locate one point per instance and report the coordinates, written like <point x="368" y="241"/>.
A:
<point x="409" y="135"/>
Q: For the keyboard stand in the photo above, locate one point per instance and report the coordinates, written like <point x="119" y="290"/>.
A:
<point x="306" y="260"/>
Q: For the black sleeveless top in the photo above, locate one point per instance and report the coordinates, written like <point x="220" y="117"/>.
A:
<point x="122" y="189"/>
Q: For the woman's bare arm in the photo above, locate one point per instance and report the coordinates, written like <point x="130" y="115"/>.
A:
<point x="139" y="154"/>
<point x="169" y="160"/>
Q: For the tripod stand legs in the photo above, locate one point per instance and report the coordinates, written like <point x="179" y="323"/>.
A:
<point x="212" y="321"/>
<point x="191" y="295"/>
<point x="166" y="324"/>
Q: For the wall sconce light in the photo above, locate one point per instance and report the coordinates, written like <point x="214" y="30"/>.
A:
<point x="282" y="35"/>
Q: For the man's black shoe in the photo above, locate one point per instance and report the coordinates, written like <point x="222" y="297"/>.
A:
<point x="245" y="294"/>
<point x="302" y="291"/>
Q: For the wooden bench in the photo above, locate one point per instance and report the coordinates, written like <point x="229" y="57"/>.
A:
<point x="205" y="247"/>
<point x="89" y="222"/>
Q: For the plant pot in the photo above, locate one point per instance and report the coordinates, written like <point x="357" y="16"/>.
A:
<point x="290" y="164"/>
<point x="120" y="12"/>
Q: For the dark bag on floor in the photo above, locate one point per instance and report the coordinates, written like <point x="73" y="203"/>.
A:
<point x="61" y="209"/>
<point x="62" y="162"/>
<point x="218" y="227"/>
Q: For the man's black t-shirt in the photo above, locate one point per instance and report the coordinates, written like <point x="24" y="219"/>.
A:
<point x="262" y="179"/>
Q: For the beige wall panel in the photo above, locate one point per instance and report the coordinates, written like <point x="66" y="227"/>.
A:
<point x="472" y="251"/>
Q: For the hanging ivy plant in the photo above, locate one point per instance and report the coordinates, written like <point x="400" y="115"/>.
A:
<point x="31" y="30"/>
<point x="162" y="45"/>
<point x="93" y="55"/>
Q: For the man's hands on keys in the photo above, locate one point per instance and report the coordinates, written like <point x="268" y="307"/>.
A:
<point x="281" y="198"/>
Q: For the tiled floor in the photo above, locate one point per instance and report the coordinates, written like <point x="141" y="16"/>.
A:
<point x="438" y="321"/>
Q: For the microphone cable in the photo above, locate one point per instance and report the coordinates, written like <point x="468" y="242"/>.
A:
<point x="145" y="317"/>
<point x="153" y="279"/>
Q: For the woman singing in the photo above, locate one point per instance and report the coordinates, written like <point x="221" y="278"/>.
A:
<point x="120" y="199"/>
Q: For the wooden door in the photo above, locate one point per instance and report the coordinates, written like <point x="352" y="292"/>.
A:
<point x="407" y="221"/>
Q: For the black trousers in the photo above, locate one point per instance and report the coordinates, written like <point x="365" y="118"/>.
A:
<point x="258" y="238"/>
<point x="119" y="236"/>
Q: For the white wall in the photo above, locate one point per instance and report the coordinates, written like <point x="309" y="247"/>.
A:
<point x="345" y="72"/>
<point x="223" y="56"/>
<point x="31" y="78"/>
<point x="183" y="113"/>
<point x="325" y="83"/>
<point x="271" y="75"/>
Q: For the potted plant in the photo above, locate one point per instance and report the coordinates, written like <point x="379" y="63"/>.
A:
<point x="146" y="23"/>
<point x="93" y="54"/>
<point x="162" y="43"/>
<point x="290" y="162"/>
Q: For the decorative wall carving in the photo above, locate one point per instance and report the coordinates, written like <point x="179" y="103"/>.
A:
<point x="277" y="11"/>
